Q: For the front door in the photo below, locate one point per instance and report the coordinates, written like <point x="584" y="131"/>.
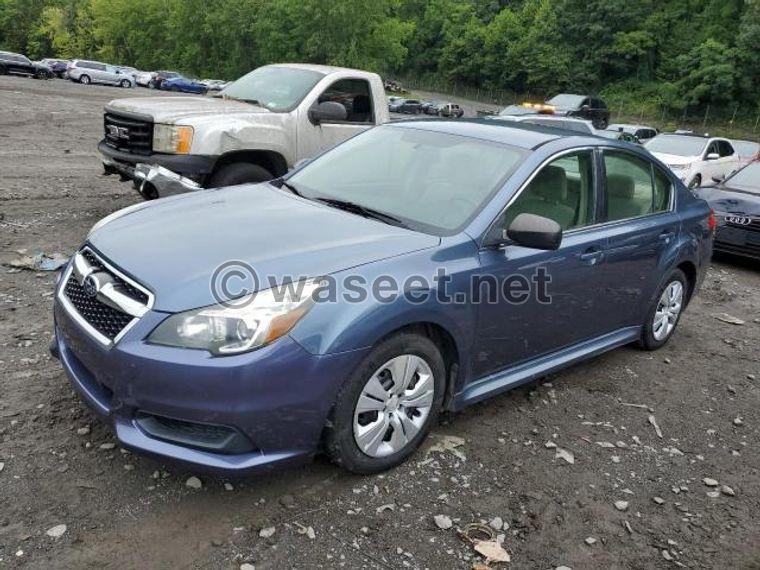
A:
<point x="545" y="300"/>
<point x="355" y="95"/>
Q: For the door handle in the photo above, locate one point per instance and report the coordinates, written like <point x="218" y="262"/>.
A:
<point x="591" y="256"/>
<point x="666" y="236"/>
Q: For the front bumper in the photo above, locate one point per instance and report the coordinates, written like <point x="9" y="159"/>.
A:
<point x="737" y="241"/>
<point x="194" y="166"/>
<point x="276" y="398"/>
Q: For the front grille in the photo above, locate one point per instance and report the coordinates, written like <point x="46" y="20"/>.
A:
<point x="128" y="133"/>
<point x="106" y="320"/>
<point x="746" y="250"/>
<point x="753" y="226"/>
<point x="123" y="286"/>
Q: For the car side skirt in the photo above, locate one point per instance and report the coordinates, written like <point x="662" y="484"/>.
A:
<point x="543" y="365"/>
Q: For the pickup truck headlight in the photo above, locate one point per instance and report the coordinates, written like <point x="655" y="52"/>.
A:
<point x="255" y="320"/>
<point x="173" y="139"/>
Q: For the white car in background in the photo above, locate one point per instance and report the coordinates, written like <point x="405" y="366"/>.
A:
<point x="748" y="151"/>
<point x="695" y="159"/>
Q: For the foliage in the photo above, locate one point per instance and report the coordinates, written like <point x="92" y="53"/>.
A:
<point x="678" y="52"/>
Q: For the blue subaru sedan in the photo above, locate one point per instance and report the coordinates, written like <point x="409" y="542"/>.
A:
<point x="417" y="267"/>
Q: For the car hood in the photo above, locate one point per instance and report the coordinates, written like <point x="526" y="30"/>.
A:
<point x="174" y="245"/>
<point x="674" y="158"/>
<point x="174" y="109"/>
<point x="730" y="200"/>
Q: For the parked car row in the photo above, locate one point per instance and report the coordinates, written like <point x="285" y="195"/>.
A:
<point x="417" y="107"/>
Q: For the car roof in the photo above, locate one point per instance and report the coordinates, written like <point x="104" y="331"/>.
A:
<point x="323" y="69"/>
<point x="505" y="132"/>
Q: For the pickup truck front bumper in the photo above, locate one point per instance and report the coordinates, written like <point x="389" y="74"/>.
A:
<point x="195" y="167"/>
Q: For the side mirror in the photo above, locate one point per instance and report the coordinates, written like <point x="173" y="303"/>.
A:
<point x="536" y="232"/>
<point x="327" y="111"/>
<point x="712" y="156"/>
<point x="585" y="107"/>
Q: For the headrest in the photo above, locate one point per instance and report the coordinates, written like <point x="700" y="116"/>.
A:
<point x="551" y="184"/>
<point x="620" y="186"/>
<point x="362" y="104"/>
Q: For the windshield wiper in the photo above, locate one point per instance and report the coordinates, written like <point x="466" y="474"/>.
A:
<point x="279" y="183"/>
<point x="355" y="208"/>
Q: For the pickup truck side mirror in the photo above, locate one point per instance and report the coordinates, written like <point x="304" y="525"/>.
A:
<point x="712" y="156"/>
<point x="534" y="231"/>
<point x="326" y="112"/>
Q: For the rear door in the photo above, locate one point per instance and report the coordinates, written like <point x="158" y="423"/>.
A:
<point x="356" y="96"/>
<point x="642" y="226"/>
<point x="110" y="75"/>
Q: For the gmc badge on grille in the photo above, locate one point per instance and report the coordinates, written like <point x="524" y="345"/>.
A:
<point x="118" y="132"/>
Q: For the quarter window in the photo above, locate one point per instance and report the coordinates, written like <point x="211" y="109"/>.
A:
<point x="633" y="187"/>
<point x="563" y="191"/>
<point x="354" y="95"/>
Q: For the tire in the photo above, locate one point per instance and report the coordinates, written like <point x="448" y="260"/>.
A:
<point x="125" y="83"/>
<point x="601" y="123"/>
<point x="382" y="450"/>
<point x="84" y="79"/>
<point x="239" y="173"/>
<point x="652" y="337"/>
<point x="696" y="182"/>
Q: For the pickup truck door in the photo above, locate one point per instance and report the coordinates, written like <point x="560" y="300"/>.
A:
<point x="356" y="96"/>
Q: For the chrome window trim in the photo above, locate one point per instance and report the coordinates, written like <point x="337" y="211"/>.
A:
<point x="110" y="297"/>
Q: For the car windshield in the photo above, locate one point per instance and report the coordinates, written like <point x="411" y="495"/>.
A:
<point x="747" y="179"/>
<point x="679" y="145"/>
<point x="566" y="100"/>
<point x="746" y="149"/>
<point x="276" y="88"/>
<point x="432" y="182"/>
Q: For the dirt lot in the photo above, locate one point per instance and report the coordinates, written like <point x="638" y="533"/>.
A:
<point x="58" y="465"/>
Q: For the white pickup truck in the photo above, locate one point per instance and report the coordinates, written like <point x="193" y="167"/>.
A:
<point x="256" y="129"/>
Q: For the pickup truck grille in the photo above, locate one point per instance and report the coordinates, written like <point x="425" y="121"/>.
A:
<point x="128" y="133"/>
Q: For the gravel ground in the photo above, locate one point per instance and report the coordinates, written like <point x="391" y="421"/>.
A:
<point x="630" y="499"/>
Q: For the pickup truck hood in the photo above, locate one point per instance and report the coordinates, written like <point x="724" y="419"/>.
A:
<point x="674" y="158"/>
<point x="170" y="110"/>
<point x="174" y="245"/>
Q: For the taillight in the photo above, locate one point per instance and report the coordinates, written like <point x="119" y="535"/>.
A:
<point x="712" y="223"/>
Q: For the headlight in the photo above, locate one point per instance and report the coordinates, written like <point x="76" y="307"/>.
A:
<point x="172" y="138"/>
<point x="254" y="321"/>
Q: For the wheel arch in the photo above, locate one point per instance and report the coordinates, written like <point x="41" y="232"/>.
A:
<point x="272" y="160"/>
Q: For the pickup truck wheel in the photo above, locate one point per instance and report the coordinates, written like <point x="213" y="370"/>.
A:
<point x="84" y="79"/>
<point x="239" y="173"/>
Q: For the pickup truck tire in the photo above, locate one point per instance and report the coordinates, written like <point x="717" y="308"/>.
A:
<point x="239" y="173"/>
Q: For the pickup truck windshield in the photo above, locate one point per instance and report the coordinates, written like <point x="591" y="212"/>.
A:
<point x="679" y="145"/>
<point x="432" y="182"/>
<point x="278" y="89"/>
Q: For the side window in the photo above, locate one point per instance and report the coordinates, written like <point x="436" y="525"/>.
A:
<point x="725" y="148"/>
<point x="354" y="95"/>
<point x="99" y="67"/>
<point x="563" y="191"/>
<point x="712" y="148"/>
<point x="629" y="186"/>
<point x="662" y="190"/>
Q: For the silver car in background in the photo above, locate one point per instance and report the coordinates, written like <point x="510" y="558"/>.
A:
<point x="86" y="72"/>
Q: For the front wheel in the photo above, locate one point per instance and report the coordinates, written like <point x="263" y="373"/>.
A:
<point x="125" y="83"/>
<point x="239" y="173"/>
<point x="663" y="316"/>
<point x="388" y="405"/>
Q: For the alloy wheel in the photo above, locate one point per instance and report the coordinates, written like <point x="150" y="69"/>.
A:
<point x="668" y="309"/>
<point x="393" y="405"/>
